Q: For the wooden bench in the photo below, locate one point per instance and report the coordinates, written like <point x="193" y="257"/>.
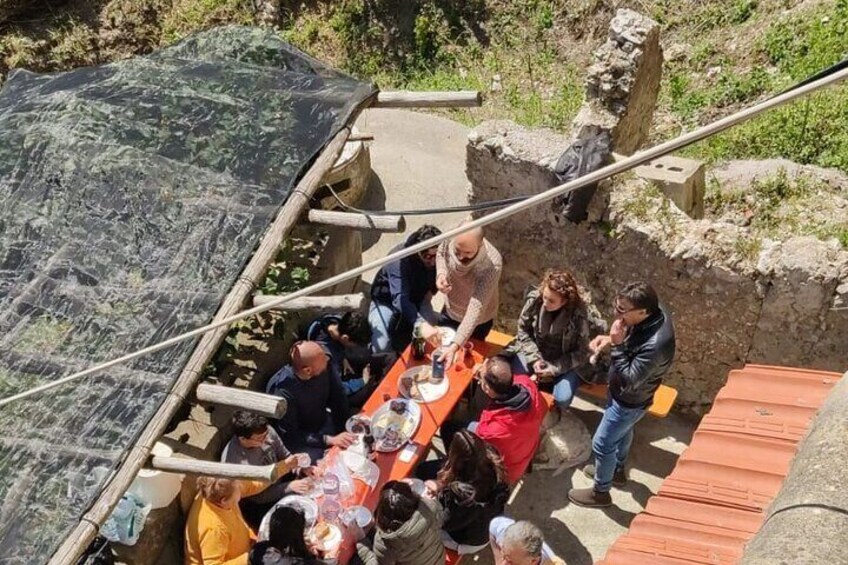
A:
<point x="664" y="397"/>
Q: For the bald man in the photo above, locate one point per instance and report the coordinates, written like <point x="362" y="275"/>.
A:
<point x="311" y="386"/>
<point x="468" y="270"/>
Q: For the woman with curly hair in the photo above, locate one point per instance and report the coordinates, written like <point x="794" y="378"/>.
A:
<point x="552" y="342"/>
<point x="472" y="487"/>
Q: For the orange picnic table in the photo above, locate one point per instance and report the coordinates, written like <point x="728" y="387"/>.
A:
<point x="433" y="415"/>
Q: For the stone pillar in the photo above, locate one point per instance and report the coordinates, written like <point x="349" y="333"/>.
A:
<point x="623" y="83"/>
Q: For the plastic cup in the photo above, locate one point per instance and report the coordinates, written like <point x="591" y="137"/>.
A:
<point x="331" y="509"/>
<point x="303" y="460"/>
<point x="330" y="484"/>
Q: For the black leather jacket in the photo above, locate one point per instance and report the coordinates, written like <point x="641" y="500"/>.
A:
<point x="637" y="365"/>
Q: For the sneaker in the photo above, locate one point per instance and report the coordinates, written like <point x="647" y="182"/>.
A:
<point x="589" y="498"/>
<point x="619" y="477"/>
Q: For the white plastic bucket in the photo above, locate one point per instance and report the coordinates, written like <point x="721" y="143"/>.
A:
<point x="157" y="488"/>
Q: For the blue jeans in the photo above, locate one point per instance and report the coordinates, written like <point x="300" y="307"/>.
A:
<point x="379" y="318"/>
<point x="611" y="444"/>
<point x="564" y="385"/>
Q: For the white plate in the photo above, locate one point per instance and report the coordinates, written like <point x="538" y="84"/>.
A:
<point x="361" y="514"/>
<point x="331" y="542"/>
<point x="304" y="504"/>
<point x="427" y="391"/>
<point x="359" y="422"/>
<point x="447" y="334"/>
<point x="385" y="421"/>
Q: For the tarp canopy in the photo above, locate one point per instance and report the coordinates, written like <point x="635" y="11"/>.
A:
<point x="131" y="197"/>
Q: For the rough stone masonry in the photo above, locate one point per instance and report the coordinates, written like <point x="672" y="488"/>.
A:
<point x="735" y="298"/>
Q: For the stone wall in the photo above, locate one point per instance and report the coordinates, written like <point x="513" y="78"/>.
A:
<point x="735" y="298"/>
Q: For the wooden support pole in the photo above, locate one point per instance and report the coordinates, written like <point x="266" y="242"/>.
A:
<point x="328" y="304"/>
<point x="407" y="99"/>
<point x="258" y="402"/>
<point x="214" y="469"/>
<point x="393" y="224"/>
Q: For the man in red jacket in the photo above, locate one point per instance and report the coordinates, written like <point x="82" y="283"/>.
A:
<point x="512" y="419"/>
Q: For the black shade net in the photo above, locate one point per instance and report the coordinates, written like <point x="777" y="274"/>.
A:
<point x="131" y="197"/>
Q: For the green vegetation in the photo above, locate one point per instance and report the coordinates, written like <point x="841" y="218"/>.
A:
<point x="793" y="48"/>
<point x="528" y="56"/>
<point x="779" y="206"/>
<point x="188" y="16"/>
<point x="289" y="272"/>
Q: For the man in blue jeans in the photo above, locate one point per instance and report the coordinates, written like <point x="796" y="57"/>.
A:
<point x="642" y="347"/>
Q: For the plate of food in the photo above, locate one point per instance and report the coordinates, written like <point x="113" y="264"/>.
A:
<point x="395" y="423"/>
<point x="415" y="384"/>
<point x="306" y="505"/>
<point x="325" y="536"/>
<point x="358" y="424"/>
<point x="446" y="335"/>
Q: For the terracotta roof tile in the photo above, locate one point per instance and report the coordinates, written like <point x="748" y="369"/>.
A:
<point x="713" y="500"/>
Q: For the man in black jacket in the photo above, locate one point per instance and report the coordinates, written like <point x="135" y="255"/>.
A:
<point x="642" y="343"/>
<point x="316" y="404"/>
<point x="400" y="295"/>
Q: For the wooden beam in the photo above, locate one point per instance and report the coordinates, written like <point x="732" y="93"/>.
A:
<point x="328" y="304"/>
<point x="393" y="224"/>
<point x="258" y="402"/>
<point x="360" y="137"/>
<point x="407" y="99"/>
<point x="214" y="469"/>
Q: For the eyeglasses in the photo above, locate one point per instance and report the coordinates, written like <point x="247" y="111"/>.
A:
<point x="621" y="311"/>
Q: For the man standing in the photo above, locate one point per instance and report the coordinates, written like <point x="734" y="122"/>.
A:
<point x="468" y="270"/>
<point x="311" y="388"/>
<point x="642" y="343"/>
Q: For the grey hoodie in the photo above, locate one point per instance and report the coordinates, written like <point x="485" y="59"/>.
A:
<point x="417" y="542"/>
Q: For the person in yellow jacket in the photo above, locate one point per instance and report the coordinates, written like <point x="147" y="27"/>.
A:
<point x="216" y="533"/>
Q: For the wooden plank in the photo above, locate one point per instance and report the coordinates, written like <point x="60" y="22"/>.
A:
<point x="434" y="99"/>
<point x="258" y="402"/>
<point x="328" y="304"/>
<point x="186" y="466"/>
<point x="392" y="224"/>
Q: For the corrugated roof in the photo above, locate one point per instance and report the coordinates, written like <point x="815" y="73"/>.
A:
<point x="712" y="503"/>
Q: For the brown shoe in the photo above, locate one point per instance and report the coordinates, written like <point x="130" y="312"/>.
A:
<point x="589" y="498"/>
<point x="619" y="477"/>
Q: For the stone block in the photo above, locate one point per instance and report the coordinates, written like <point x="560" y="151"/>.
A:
<point x="623" y="83"/>
<point x="682" y="180"/>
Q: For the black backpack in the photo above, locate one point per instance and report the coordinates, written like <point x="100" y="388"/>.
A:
<point x="582" y="157"/>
